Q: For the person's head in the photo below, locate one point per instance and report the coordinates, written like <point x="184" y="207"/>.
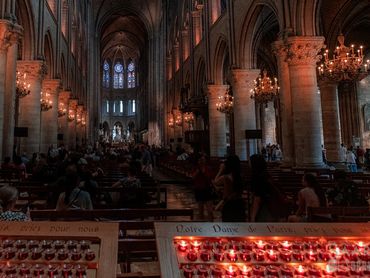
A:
<point x="202" y="160"/>
<point x="8" y="197"/>
<point x="258" y="163"/>
<point x="309" y="180"/>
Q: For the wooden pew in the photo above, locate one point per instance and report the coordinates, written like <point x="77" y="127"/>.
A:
<point x="110" y="214"/>
<point x="335" y="212"/>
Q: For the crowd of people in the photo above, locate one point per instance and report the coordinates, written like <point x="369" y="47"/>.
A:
<point x="217" y="186"/>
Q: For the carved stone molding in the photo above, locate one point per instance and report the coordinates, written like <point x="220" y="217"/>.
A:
<point x="244" y="78"/>
<point x="216" y="90"/>
<point x="9" y="34"/>
<point x="35" y="69"/>
<point x="51" y="85"/>
<point x="279" y="49"/>
<point x="304" y="50"/>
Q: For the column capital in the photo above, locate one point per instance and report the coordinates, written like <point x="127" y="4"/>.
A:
<point x="35" y="69"/>
<point x="304" y="50"/>
<point x="65" y="95"/>
<point x="279" y="49"/>
<point x="325" y="82"/>
<point x="214" y="90"/>
<point x="9" y="34"/>
<point x="52" y="85"/>
<point x="244" y="77"/>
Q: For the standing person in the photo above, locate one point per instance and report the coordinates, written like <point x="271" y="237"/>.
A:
<point x="229" y="178"/>
<point x="264" y="203"/>
<point x="343" y="152"/>
<point x="202" y="182"/>
<point x="8" y="199"/>
<point x="146" y="161"/>
<point x="312" y="195"/>
<point x="360" y="156"/>
<point x="351" y="161"/>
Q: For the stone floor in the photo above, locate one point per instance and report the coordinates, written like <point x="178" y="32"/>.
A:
<point x="180" y="195"/>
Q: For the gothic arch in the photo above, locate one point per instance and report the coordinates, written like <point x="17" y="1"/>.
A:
<point x="25" y="19"/>
<point x="252" y="21"/>
<point x="200" y="77"/>
<point x="220" y="53"/>
<point x="306" y="18"/>
<point x="63" y="71"/>
<point x="49" y="55"/>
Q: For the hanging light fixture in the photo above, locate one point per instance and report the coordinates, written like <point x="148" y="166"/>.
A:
<point x="78" y="119"/>
<point x="225" y="103"/>
<point x="71" y="115"/>
<point x="189" y="118"/>
<point x="62" y="110"/>
<point x="45" y="102"/>
<point x="265" y="89"/>
<point x="178" y="120"/>
<point x="22" y="85"/>
<point x="347" y="63"/>
<point x="171" y="122"/>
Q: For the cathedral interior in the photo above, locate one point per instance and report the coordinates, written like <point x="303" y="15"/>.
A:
<point x="128" y="112"/>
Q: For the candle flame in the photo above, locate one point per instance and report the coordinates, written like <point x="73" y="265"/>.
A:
<point x="300" y="269"/>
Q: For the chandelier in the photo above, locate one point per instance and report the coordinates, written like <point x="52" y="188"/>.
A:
<point x="265" y="89"/>
<point x="83" y="121"/>
<point x="71" y="115"/>
<point x="46" y="103"/>
<point x="188" y="117"/>
<point x="23" y="86"/>
<point x="171" y="122"/>
<point x="347" y="63"/>
<point x="61" y="110"/>
<point x="78" y="119"/>
<point x="178" y="120"/>
<point x="225" y="102"/>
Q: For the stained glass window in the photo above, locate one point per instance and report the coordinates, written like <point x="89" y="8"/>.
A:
<point x="131" y="107"/>
<point x="118" y="76"/>
<point x="106" y="76"/>
<point x="131" y="78"/>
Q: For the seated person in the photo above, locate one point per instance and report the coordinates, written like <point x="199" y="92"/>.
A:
<point x="312" y="195"/>
<point x="130" y="197"/>
<point x="8" y="199"/>
<point x="73" y="197"/>
<point x="345" y="192"/>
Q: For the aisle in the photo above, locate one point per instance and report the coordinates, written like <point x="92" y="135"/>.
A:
<point x="180" y="196"/>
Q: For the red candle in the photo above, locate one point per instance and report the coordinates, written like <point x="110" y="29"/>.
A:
<point x="182" y="246"/>
<point x="312" y="256"/>
<point x="207" y="245"/>
<point x="59" y="244"/>
<point x="205" y="256"/>
<point x="216" y="271"/>
<point x="286" y="255"/>
<point x="259" y="255"/>
<point x="33" y="244"/>
<point x="192" y="256"/>
<point x="25" y="269"/>
<point x="312" y="245"/>
<point x="52" y="270"/>
<point x="80" y="270"/>
<point x="329" y="270"/>
<point x="343" y="270"/>
<point x="259" y="270"/>
<point x="10" y="269"/>
<point x="231" y="255"/>
<point x="325" y="256"/>
<point x="260" y="244"/>
<point x="22" y="254"/>
<point x="218" y="255"/>
<point x="298" y="246"/>
<point x="301" y="270"/>
<point x="314" y="271"/>
<point x="36" y="253"/>
<point x="364" y="256"/>
<point x="195" y="245"/>
<point x="352" y="256"/>
<point x="203" y="270"/>
<point x="245" y="255"/>
<point x="76" y="255"/>
<point x="272" y="255"/>
<point x="221" y="245"/>
<point x="20" y="244"/>
<point x="356" y="270"/>
<point x="85" y="244"/>
<point x="286" y="245"/>
<point x="9" y="253"/>
<point x="360" y="245"/>
<point x="298" y="256"/>
<point x="8" y="243"/>
<point x="287" y="270"/>
<point x="232" y="271"/>
<point x="89" y="255"/>
<point x="38" y="270"/>
<point x="46" y="244"/>
<point x="67" y="270"/>
<point x="62" y="254"/>
<point x="188" y="271"/>
<point x="234" y="245"/>
<point x="72" y="244"/>
<point x="349" y="246"/>
<point x="247" y="246"/>
<point x="272" y="270"/>
<point x="245" y="270"/>
<point x="49" y="254"/>
<point x="272" y="245"/>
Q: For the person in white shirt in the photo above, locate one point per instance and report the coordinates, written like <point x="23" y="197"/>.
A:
<point x="351" y="161"/>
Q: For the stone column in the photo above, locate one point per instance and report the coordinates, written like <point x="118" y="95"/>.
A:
<point x="9" y="35"/>
<point x="285" y="99"/>
<point x="71" y="125"/>
<point x="302" y="56"/>
<point x="49" y="130"/>
<point x="197" y="28"/>
<point x="29" y="106"/>
<point x="330" y="119"/>
<point x="79" y="114"/>
<point x="185" y="44"/>
<point x="63" y="100"/>
<point x="217" y="121"/>
<point x="244" y="111"/>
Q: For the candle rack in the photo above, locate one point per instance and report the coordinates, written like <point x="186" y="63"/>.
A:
<point x="225" y="250"/>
